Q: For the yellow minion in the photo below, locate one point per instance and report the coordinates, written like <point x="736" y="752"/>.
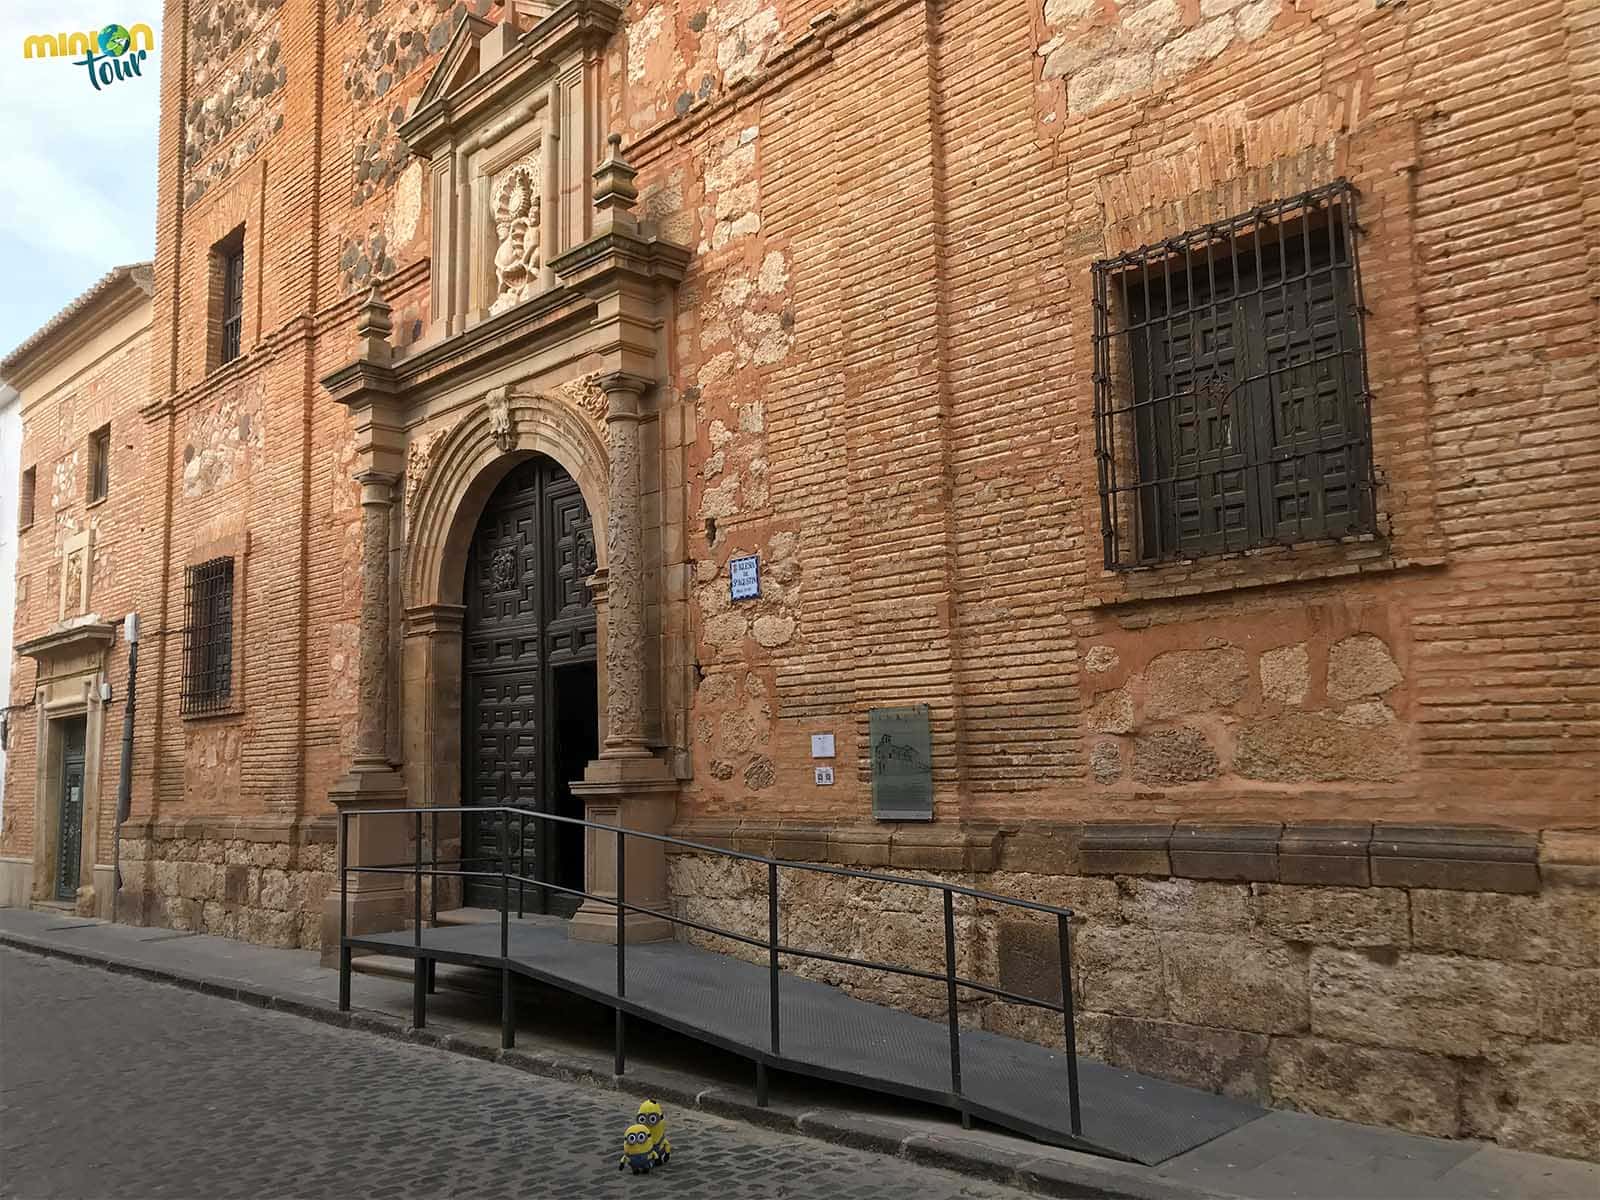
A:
<point x="653" y="1118"/>
<point x="637" y="1150"/>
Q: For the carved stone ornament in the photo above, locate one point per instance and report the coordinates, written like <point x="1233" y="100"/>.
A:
<point x="584" y="561"/>
<point x="503" y="569"/>
<point x="516" y="224"/>
<point x="500" y="428"/>
<point x="418" y="455"/>
<point x="585" y="394"/>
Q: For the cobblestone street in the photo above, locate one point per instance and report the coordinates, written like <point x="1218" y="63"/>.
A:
<point x="112" y="1086"/>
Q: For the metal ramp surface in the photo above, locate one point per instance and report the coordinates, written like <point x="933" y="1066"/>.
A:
<point x="828" y="1034"/>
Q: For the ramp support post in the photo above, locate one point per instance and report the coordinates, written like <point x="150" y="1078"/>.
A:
<point x="344" y="911"/>
<point x="419" y="964"/>
<point x="761" y="1084"/>
<point x="950" y="1003"/>
<point x="1064" y="937"/>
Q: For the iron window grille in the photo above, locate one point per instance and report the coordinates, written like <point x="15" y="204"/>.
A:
<point x="208" y="636"/>
<point x="25" y="498"/>
<point x="100" y="464"/>
<point x="1232" y="409"/>
<point x="232" y="304"/>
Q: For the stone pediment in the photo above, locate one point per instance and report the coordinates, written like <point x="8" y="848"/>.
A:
<point x="458" y="63"/>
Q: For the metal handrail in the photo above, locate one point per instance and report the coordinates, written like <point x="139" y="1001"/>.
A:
<point x="431" y="867"/>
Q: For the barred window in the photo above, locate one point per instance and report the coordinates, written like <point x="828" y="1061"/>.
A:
<point x="100" y="464"/>
<point x="227" y="298"/>
<point x="208" y="636"/>
<point x="25" y="498"/>
<point x="1231" y="402"/>
<point x="232" y="304"/>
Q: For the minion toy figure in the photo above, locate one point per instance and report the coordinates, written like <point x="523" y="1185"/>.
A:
<point x="654" y="1119"/>
<point x="638" y="1150"/>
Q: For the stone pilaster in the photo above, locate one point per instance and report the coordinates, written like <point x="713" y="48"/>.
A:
<point x="374" y="688"/>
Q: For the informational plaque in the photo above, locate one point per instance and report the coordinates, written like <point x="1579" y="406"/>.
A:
<point x="901" y="753"/>
<point x="822" y="745"/>
<point x="744" y="578"/>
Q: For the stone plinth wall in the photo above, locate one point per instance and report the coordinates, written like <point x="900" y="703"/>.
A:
<point x="235" y="880"/>
<point x="1445" y="1010"/>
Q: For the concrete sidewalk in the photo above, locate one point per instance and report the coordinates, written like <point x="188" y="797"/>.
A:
<point x="1280" y="1155"/>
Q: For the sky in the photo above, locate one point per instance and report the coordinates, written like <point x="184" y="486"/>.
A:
<point x="77" y="166"/>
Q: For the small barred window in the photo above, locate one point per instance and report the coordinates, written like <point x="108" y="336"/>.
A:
<point x="208" y="636"/>
<point x="1231" y="400"/>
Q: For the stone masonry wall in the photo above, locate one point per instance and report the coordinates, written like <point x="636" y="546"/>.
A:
<point x="261" y="885"/>
<point x="1454" y="1013"/>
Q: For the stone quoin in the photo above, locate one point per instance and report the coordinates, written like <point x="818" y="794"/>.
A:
<point x="1190" y="404"/>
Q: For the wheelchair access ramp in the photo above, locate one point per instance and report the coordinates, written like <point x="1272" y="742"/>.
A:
<point x="778" y="1019"/>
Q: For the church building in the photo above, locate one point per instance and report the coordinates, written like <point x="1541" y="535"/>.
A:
<point x="1138" y="455"/>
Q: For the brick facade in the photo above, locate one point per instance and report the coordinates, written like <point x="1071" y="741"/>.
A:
<point x="880" y="380"/>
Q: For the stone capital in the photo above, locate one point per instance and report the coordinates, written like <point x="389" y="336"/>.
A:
<point x="377" y="487"/>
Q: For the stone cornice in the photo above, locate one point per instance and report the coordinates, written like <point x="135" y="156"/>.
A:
<point x="88" y="635"/>
<point x="547" y="319"/>
<point x="598" y="264"/>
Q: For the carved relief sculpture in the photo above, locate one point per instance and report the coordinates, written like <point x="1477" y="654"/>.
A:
<point x="516" y="222"/>
<point x="585" y="394"/>
<point x="500" y="419"/>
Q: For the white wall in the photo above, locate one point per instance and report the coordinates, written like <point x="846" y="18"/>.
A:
<point x="10" y="478"/>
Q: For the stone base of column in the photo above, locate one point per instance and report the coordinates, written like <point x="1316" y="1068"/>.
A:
<point x="378" y="903"/>
<point x="630" y="791"/>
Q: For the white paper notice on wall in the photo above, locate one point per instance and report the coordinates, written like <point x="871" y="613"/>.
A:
<point x="822" y="745"/>
<point x="744" y="578"/>
<point x="824" y="776"/>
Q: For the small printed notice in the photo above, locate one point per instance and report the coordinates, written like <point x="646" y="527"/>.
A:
<point x="824" y="776"/>
<point x="744" y="578"/>
<point x="822" y="745"/>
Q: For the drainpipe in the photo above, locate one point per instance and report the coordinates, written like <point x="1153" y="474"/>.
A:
<point x="130" y="632"/>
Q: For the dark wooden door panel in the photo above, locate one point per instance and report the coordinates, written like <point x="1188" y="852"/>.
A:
<point x="528" y="610"/>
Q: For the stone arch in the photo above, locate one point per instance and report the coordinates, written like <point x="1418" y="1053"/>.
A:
<point x="467" y="465"/>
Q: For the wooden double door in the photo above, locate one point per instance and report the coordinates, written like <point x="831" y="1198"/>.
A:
<point x="529" y="700"/>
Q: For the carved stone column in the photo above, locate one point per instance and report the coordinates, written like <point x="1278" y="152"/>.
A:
<point x="625" y="665"/>
<point x="373" y="684"/>
<point x="628" y="785"/>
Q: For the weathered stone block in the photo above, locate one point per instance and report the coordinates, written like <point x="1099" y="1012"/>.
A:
<point x="1174" y="756"/>
<point x="1540" y="1098"/>
<point x="1222" y="1060"/>
<point x="1314" y="746"/>
<point x="1417" y="1092"/>
<point x="1112" y="712"/>
<point x="1105" y="762"/>
<point x="1334" y="916"/>
<point x="1325" y="853"/>
<point x="1361" y="665"/>
<point x="1462" y="858"/>
<point x="1194" y="681"/>
<point x="1138" y="849"/>
<point x="1236" y="982"/>
<point x="858" y="847"/>
<point x="1089" y="897"/>
<point x="1569" y="1005"/>
<point x="235" y="884"/>
<point x="1045" y="849"/>
<point x="1225" y="851"/>
<point x="1421" y="1001"/>
<point x="1286" y="674"/>
<point x="1117" y="969"/>
<point x="1560" y="926"/>
<point x="1186" y="904"/>
<point x="1030" y="959"/>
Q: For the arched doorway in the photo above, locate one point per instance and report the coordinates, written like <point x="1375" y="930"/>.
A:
<point x="529" y="692"/>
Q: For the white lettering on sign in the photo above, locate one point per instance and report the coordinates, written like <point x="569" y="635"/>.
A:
<point x="822" y="745"/>
<point x="744" y="578"/>
<point x="824" y="776"/>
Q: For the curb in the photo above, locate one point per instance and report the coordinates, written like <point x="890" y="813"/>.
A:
<point x="997" y="1164"/>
